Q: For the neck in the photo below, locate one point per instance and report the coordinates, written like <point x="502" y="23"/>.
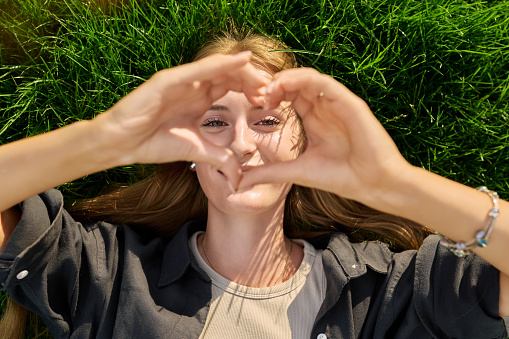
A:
<point x="250" y="249"/>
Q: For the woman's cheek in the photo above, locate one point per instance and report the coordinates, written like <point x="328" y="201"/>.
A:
<point x="218" y="139"/>
<point x="281" y="147"/>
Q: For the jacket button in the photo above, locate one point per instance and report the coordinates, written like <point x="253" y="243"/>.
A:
<point x="321" y="336"/>
<point x="22" y="274"/>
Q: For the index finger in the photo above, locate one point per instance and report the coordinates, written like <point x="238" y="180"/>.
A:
<point x="215" y="67"/>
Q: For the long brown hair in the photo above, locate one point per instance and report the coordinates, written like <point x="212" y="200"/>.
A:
<point x="171" y="194"/>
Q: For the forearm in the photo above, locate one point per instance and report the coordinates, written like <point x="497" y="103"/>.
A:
<point x="452" y="209"/>
<point x="33" y="165"/>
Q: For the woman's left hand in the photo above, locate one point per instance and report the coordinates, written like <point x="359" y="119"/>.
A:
<point x="347" y="151"/>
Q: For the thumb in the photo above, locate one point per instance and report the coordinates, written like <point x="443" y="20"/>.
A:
<point x="280" y="172"/>
<point x="221" y="159"/>
<point x="193" y="147"/>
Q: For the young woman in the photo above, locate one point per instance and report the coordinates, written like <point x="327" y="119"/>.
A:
<point x="272" y="177"/>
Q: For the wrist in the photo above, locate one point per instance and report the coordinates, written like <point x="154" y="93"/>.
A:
<point x="106" y="143"/>
<point x="395" y="189"/>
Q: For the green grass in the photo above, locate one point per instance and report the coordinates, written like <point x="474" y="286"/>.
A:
<point x="436" y="73"/>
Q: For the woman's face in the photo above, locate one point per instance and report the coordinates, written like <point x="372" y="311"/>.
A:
<point x="256" y="137"/>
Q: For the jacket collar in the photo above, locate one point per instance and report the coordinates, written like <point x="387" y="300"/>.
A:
<point x="352" y="258"/>
<point x="177" y="257"/>
<point x="344" y="261"/>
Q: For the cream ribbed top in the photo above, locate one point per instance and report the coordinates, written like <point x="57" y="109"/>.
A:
<point x="287" y="310"/>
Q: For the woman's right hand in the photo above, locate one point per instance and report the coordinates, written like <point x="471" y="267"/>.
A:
<point x="159" y="121"/>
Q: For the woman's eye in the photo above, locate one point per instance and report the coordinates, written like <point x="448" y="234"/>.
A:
<point x="214" y="123"/>
<point x="269" y="122"/>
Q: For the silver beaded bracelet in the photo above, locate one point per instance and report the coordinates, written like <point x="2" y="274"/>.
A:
<point x="482" y="237"/>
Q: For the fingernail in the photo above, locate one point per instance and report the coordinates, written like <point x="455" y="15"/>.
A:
<point x="266" y="103"/>
<point x="230" y="186"/>
<point x="270" y="88"/>
<point x="244" y="54"/>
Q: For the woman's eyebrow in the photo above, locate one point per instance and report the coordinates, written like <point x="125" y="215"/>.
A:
<point x="225" y="108"/>
<point x="218" y="108"/>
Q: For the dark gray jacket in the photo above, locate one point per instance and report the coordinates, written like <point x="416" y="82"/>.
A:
<point x="105" y="281"/>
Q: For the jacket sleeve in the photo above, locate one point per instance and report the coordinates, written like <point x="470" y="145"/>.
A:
<point x="456" y="297"/>
<point x="49" y="258"/>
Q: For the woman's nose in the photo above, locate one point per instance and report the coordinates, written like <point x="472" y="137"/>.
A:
<point x="243" y="143"/>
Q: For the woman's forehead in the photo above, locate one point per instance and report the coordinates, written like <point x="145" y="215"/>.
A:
<point x="233" y="100"/>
